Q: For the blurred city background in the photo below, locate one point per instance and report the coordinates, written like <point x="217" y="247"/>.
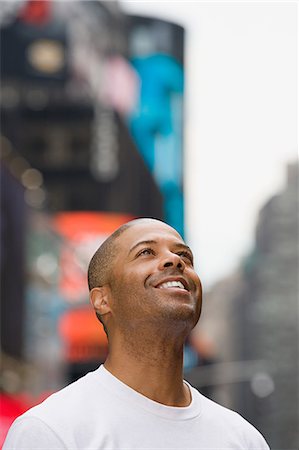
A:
<point x="183" y="111"/>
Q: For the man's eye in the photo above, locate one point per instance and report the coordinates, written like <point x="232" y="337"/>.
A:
<point x="186" y="255"/>
<point x="145" y="251"/>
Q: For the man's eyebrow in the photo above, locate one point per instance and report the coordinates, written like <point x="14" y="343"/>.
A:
<point x="142" y="243"/>
<point x="149" y="242"/>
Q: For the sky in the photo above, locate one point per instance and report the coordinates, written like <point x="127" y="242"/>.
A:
<point x="240" y="119"/>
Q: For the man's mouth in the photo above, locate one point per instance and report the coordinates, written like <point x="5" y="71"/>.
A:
<point x="172" y="284"/>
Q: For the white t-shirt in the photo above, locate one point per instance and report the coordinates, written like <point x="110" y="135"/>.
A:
<point x="100" y="412"/>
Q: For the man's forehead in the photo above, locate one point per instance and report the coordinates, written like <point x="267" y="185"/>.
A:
<point x="148" y="230"/>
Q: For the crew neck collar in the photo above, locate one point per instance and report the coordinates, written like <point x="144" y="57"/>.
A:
<point x="117" y="387"/>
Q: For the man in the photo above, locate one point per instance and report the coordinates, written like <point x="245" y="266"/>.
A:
<point x="147" y="295"/>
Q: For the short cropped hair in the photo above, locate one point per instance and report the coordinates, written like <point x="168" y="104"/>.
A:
<point x="99" y="269"/>
<point x="100" y="266"/>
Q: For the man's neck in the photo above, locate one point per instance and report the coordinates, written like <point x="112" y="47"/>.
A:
<point x="153" y="367"/>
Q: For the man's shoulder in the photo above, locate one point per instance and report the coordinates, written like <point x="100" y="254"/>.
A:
<point x="59" y="417"/>
<point x="71" y="398"/>
<point x="214" y="409"/>
<point x="213" y="412"/>
<point x="30" y="433"/>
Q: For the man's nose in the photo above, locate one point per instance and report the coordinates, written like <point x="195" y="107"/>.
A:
<point x="172" y="260"/>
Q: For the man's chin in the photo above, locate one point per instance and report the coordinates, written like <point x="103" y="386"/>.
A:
<point x="185" y="315"/>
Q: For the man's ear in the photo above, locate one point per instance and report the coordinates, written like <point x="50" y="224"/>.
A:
<point x="99" y="298"/>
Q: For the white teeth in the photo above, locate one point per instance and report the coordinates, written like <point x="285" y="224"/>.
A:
<point x="170" y="284"/>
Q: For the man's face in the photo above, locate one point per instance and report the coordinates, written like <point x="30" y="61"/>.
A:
<point x="153" y="279"/>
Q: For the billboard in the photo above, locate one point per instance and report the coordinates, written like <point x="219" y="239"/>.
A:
<point x="156" y="51"/>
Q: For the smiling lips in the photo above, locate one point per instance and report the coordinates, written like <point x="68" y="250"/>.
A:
<point x="172" y="284"/>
